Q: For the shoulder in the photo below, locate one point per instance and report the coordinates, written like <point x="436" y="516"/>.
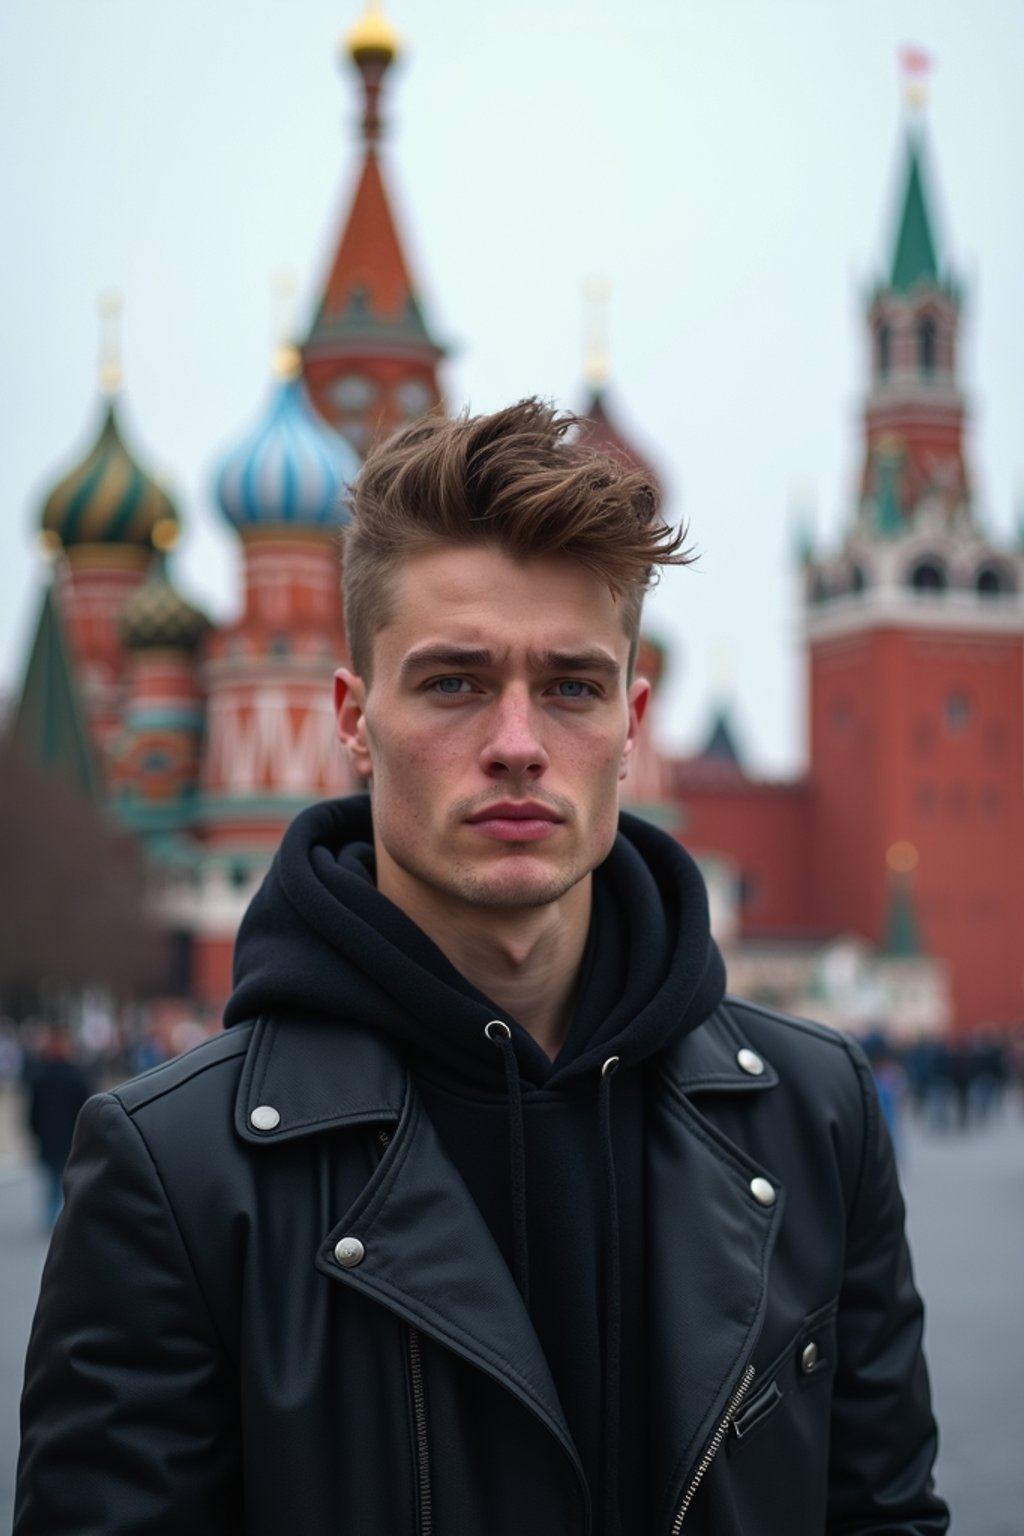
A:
<point x="798" y="1046"/>
<point x="183" y="1110"/>
<point x="772" y="1079"/>
<point x="214" y="1066"/>
<point x="745" y="1044"/>
<point x="814" y="1062"/>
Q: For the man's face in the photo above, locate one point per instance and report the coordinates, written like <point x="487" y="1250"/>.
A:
<point x="495" y="729"/>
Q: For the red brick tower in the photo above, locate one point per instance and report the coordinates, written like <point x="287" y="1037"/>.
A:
<point x="916" y="659"/>
<point x="369" y="361"/>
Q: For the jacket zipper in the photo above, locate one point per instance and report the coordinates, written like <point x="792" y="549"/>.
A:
<point x="713" y="1447"/>
<point x="419" y="1408"/>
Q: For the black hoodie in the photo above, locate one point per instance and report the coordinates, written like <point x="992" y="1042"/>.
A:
<point x="552" y="1151"/>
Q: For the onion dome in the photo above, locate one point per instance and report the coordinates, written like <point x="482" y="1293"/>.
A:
<point x="292" y="470"/>
<point x="156" y="617"/>
<point x="109" y="499"/>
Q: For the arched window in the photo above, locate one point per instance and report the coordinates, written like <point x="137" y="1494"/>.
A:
<point x="992" y="579"/>
<point x="883" y="349"/>
<point x="927" y="344"/>
<point x="928" y="574"/>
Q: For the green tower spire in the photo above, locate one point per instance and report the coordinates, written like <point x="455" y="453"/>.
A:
<point x="901" y="938"/>
<point x="914" y="260"/>
<point x="49" y="720"/>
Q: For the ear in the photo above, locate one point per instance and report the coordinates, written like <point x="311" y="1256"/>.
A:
<point x="637" y="698"/>
<point x="350" y="719"/>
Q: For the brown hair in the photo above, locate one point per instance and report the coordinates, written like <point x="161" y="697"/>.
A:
<point x="517" y="480"/>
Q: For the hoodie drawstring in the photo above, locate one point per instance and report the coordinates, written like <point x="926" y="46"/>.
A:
<point x="613" y="1308"/>
<point x="499" y="1034"/>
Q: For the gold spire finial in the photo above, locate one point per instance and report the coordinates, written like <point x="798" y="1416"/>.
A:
<point x="288" y="361"/>
<point x="596" y="295"/>
<point x="372" y="35"/>
<point x="111" y="305"/>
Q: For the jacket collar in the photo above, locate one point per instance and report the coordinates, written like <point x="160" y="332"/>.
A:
<point x="717" y="1058"/>
<point x="315" y="1076"/>
<point x="318" y="1075"/>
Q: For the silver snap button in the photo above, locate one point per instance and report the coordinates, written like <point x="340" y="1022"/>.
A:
<point x="749" y="1061"/>
<point x="349" y="1252"/>
<point x="264" y="1118"/>
<point x="762" y="1191"/>
<point x="809" y="1358"/>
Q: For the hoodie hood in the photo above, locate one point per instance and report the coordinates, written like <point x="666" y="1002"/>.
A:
<point x="320" y="938"/>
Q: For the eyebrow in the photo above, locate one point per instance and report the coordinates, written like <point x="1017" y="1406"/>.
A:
<point x="577" y="661"/>
<point x="458" y="658"/>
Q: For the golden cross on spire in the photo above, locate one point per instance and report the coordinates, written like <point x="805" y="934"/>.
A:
<point x="111" y="305"/>
<point x="287" y="358"/>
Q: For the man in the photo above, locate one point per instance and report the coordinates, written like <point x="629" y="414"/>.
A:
<point x="487" y="1213"/>
<point x="56" y="1087"/>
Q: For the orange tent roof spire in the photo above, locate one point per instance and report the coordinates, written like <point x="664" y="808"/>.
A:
<point x="369" y="301"/>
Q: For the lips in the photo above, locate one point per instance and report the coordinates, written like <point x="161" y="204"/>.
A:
<point x="516" y="821"/>
<point x="515" y="810"/>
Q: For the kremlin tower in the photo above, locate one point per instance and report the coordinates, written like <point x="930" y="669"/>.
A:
<point x="905" y="838"/>
<point x="915" y="643"/>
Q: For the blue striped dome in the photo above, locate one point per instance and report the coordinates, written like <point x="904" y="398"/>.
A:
<point x="292" y="470"/>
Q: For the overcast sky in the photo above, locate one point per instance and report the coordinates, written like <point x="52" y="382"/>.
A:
<point x="730" y="166"/>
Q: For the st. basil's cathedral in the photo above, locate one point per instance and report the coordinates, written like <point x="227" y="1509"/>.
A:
<point x="884" y="886"/>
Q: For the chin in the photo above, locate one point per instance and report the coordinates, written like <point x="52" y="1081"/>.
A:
<point x="518" y="893"/>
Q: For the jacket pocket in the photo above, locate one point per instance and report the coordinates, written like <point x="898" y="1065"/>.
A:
<point x="808" y="1357"/>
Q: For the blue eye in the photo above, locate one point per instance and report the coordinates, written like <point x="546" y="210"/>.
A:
<point x="575" y="688"/>
<point x="450" y="684"/>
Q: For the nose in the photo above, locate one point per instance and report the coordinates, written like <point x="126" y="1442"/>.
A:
<point x="513" y="747"/>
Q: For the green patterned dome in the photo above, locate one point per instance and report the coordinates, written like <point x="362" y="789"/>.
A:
<point x="156" y="617"/>
<point x="109" y="499"/>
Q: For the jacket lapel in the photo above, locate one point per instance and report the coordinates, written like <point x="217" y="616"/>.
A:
<point x="430" y="1257"/>
<point x="709" y="1245"/>
<point x="428" y="1253"/>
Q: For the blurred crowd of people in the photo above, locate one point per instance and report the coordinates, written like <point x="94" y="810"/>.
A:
<point x="48" y="1071"/>
<point x="952" y="1085"/>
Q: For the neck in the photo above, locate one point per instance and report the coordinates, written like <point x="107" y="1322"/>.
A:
<point x="527" y="960"/>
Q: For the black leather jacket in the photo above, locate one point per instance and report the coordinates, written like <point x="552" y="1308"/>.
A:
<point x="207" y="1359"/>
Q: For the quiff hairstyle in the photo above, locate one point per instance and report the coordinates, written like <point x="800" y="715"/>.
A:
<point x="523" y="480"/>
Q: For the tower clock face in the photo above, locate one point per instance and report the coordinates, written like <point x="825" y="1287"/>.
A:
<point x="413" y="398"/>
<point x="353" y="392"/>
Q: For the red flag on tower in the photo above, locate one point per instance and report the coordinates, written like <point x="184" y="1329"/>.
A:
<point x="914" y="61"/>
